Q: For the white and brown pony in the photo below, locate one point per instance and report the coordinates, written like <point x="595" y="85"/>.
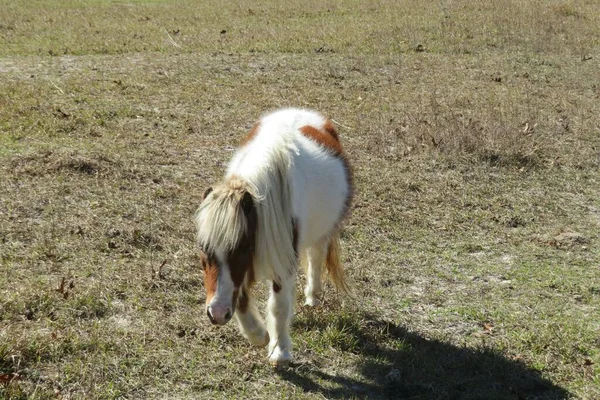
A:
<point x="285" y="193"/>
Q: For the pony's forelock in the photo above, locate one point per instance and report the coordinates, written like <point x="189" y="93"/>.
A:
<point x="220" y="221"/>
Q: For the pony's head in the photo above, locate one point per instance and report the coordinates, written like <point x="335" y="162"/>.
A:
<point x="226" y="224"/>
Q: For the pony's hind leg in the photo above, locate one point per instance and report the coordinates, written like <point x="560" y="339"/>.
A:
<point x="314" y="274"/>
<point x="280" y="309"/>
<point x="249" y="321"/>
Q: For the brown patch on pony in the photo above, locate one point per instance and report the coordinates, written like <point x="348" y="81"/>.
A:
<point x="251" y="134"/>
<point x="323" y="138"/>
<point x="211" y="274"/>
<point x="243" y="300"/>
<point x="241" y="259"/>
<point x="330" y="128"/>
<point x="276" y="287"/>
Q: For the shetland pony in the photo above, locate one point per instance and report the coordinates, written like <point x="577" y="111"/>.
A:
<point x="285" y="193"/>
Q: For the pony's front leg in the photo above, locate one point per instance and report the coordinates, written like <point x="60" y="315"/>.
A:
<point x="280" y="310"/>
<point x="249" y="321"/>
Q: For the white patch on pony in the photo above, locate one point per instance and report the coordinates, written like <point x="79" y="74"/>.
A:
<point x="320" y="189"/>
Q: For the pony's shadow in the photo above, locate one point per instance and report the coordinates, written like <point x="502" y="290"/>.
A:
<point x="419" y="368"/>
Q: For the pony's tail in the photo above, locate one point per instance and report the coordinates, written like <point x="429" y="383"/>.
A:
<point x="334" y="266"/>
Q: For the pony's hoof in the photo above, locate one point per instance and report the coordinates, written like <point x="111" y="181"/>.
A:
<point x="280" y="358"/>
<point x="312" y="301"/>
<point x="260" y="340"/>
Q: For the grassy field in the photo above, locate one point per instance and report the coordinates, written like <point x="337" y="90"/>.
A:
<point x="473" y="244"/>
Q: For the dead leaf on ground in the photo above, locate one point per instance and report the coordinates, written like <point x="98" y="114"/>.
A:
<point x="488" y="327"/>
<point x="159" y="272"/>
<point x="61" y="287"/>
<point x="64" y="289"/>
<point x="7" y="378"/>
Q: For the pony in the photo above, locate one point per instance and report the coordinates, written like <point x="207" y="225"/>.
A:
<point x="285" y="193"/>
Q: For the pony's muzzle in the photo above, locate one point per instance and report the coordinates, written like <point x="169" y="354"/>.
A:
<point x="219" y="315"/>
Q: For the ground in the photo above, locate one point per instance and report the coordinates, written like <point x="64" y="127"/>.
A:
<point x="472" y="245"/>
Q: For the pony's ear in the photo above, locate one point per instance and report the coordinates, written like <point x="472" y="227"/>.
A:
<point x="247" y="203"/>
<point x="207" y="192"/>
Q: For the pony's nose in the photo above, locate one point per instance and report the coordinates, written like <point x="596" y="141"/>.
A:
<point x="219" y="315"/>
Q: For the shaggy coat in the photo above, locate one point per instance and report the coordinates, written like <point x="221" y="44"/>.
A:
<point x="285" y="193"/>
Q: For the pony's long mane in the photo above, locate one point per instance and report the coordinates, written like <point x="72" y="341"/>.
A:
<point x="275" y="253"/>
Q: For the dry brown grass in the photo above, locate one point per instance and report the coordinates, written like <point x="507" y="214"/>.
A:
<point x="473" y="241"/>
